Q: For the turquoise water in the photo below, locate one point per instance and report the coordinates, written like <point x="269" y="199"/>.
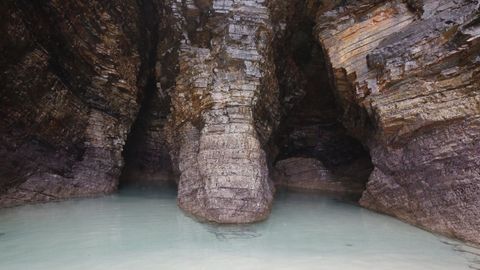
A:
<point x="145" y="230"/>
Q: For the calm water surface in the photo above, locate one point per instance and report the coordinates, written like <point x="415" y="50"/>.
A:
<point x="139" y="230"/>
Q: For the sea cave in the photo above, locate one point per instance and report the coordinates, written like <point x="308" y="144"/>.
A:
<point x="249" y="134"/>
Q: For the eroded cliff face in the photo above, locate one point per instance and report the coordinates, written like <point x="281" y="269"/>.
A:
<point x="407" y="75"/>
<point x="75" y="76"/>
<point x="70" y="76"/>
<point x="225" y="95"/>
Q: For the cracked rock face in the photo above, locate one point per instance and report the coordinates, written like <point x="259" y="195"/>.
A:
<point x="219" y="119"/>
<point x="407" y="76"/>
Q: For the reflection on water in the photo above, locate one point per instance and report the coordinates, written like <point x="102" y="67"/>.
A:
<point x="146" y="230"/>
<point x="227" y="232"/>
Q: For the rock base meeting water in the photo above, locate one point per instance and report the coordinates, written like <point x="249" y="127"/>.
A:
<point x="146" y="230"/>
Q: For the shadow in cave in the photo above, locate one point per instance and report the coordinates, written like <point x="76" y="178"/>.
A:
<point x="313" y="150"/>
<point x="146" y="158"/>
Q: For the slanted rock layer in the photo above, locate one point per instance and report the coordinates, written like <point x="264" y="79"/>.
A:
<point x="407" y="76"/>
<point x="223" y="95"/>
<point x="70" y="75"/>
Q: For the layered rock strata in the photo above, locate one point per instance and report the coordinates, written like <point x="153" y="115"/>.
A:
<point x="71" y="79"/>
<point x="223" y="110"/>
<point x="407" y="76"/>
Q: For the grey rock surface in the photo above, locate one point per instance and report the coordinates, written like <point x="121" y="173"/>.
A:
<point x="216" y="133"/>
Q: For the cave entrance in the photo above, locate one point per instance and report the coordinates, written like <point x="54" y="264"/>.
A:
<point x="146" y="158"/>
<point x="313" y="150"/>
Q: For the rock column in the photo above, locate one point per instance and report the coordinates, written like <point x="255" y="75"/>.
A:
<point x="225" y="80"/>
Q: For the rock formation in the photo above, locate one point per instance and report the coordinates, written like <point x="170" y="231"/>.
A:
<point x="407" y="75"/>
<point x="311" y="148"/>
<point x="311" y="174"/>
<point x="71" y="74"/>
<point x="75" y="76"/>
<point x="224" y="95"/>
<point x="223" y="109"/>
<point x="146" y="155"/>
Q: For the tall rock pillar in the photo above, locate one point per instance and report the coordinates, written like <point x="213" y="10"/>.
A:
<point x="223" y="109"/>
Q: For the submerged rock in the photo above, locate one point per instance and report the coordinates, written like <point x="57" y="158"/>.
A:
<point x="312" y="174"/>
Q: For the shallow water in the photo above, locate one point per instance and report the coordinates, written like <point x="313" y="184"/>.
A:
<point x="145" y="230"/>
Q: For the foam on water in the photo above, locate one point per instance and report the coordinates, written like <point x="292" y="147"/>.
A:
<point x="145" y="230"/>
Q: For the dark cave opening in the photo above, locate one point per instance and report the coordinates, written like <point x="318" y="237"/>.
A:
<point x="310" y="149"/>
<point x="313" y="149"/>
<point x="146" y="158"/>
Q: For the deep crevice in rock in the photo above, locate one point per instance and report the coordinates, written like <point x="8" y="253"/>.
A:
<point x="145" y="154"/>
<point x="147" y="162"/>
